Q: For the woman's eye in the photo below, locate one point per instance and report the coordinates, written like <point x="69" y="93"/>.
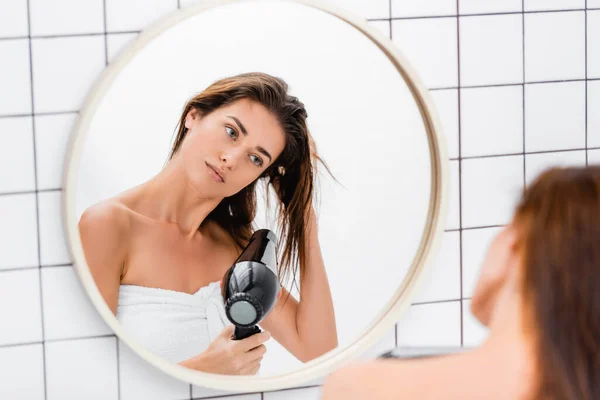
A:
<point x="231" y="132"/>
<point x="256" y="160"/>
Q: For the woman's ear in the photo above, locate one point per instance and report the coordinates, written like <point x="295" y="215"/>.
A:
<point x="191" y="118"/>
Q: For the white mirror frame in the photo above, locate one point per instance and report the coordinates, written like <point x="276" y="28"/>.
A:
<point x="392" y="310"/>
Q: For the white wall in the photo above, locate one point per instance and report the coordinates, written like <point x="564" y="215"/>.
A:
<point x="511" y="104"/>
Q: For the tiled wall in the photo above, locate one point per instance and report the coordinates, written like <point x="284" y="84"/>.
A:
<point x="517" y="85"/>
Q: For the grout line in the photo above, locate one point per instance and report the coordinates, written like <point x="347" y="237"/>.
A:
<point x="119" y="369"/>
<point x="586" y="83"/>
<point x="390" y="18"/>
<point x="423" y="303"/>
<point x="29" y="191"/>
<point x="15" y="269"/>
<point x="37" y="202"/>
<point x="68" y="265"/>
<point x="108" y="335"/>
<point x="531" y="153"/>
<point x="19" y="344"/>
<point x="473" y="228"/>
<point x="511" y="84"/>
<point x="523" y="96"/>
<point x="390" y="22"/>
<point x="105" y="35"/>
<point x="458" y="14"/>
<point x="191" y="394"/>
<point x="460" y="238"/>
<point x="67" y="35"/>
<point x="38" y="114"/>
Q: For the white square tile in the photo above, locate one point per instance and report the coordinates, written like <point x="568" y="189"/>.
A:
<point x="116" y="42"/>
<point x="453" y="217"/>
<point x="491" y="50"/>
<point x="593" y="114"/>
<point x="475" y="244"/>
<point x="535" y="164"/>
<point x="64" y="69"/>
<point x="140" y="380"/>
<point x="489" y="6"/>
<point x="82" y="369"/>
<point x="53" y="247"/>
<point x="446" y="103"/>
<point x="199" y="392"/>
<point x="543" y="5"/>
<point x="436" y="324"/>
<point x="372" y="9"/>
<point x="443" y="282"/>
<point x="593" y="43"/>
<point x="491" y="188"/>
<point x="411" y="8"/>
<point x="593" y="3"/>
<point x="52" y="133"/>
<point x="13" y="18"/>
<point x="16" y="155"/>
<point x="431" y="48"/>
<point x="22" y="372"/>
<point x="383" y="26"/>
<point x="554" y="116"/>
<point x="593" y="157"/>
<point x="491" y="120"/>
<point x="474" y="333"/>
<point x="68" y="313"/>
<point x="65" y="17"/>
<point x="136" y="15"/>
<point x="313" y="393"/>
<point x="20" y="307"/>
<point x="18" y="231"/>
<point x="551" y="53"/>
<point x="15" y="80"/>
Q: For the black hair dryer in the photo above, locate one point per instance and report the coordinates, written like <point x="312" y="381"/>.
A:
<point x="250" y="288"/>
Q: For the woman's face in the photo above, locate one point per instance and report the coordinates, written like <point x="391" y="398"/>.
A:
<point x="226" y="150"/>
<point x="500" y="259"/>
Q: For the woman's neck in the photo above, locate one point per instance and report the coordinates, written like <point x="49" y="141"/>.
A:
<point x="169" y="197"/>
<point x="511" y="342"/>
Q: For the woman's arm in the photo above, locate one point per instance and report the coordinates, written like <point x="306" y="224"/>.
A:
<point x="103" y="232"/>
<point x="307" y="328"/>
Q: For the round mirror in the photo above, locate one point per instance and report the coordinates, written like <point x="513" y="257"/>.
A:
<point x="223" y="122"/>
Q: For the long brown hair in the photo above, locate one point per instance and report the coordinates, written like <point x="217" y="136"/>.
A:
<point x="292" y="174"/>
<point x="559" y="218"/>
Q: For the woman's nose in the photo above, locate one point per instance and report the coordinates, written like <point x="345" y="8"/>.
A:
<point x="229" y="158"/>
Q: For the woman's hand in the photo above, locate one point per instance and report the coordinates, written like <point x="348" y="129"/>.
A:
<point x="231" y="357"/>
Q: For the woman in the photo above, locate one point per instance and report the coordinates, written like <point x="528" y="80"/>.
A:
<point x="539" y="294"/>
<point x="159" y="250"/>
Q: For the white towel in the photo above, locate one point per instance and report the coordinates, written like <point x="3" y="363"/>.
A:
<point x="174" y="325"/>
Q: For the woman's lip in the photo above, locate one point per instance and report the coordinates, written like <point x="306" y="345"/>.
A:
<point x="216" y="172"/>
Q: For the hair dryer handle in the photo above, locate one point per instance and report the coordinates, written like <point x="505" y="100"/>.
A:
<point x="242" y="333"/>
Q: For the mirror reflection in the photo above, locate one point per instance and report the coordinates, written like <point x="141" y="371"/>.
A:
<point x="252" y="188"/>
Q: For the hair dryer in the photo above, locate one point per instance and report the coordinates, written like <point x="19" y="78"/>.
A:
<point x="250" y="287"/>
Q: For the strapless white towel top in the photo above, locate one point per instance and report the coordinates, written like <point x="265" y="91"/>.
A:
<point x="171" y="324"/>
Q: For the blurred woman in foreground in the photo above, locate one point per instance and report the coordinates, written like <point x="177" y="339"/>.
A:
<point x="539" y="295"/>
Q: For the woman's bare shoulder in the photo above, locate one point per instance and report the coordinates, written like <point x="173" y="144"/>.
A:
<point x="110" y="215"/>
<point x="466" y="376"/>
